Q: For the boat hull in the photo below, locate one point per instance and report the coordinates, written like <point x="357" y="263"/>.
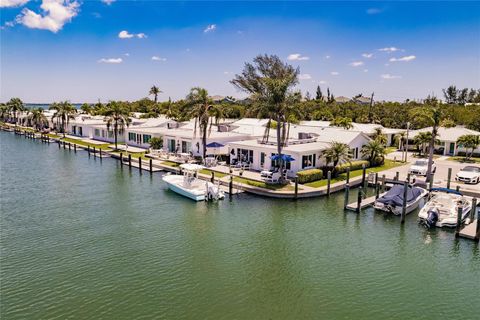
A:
<point x="411" y="206"/>
<point x="174" y="184"/>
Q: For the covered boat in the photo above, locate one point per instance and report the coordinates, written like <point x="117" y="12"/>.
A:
<point x="392" y="201"/>
<point x="442" y="208"/>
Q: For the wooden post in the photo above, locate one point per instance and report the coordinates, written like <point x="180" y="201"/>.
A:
<point x="396" y="176"/>
<point x="457" y="188"/>
<point x="449" y="177"/>
<point x="404" y="205"/>
<point x="121" y="159"/>
<point x="359" y="199"/>
<point x="408" y="177"/>
<point x="329" y="180"/>
<point x="129" y="160"/>
<point x="212" y="177"/>
<point x="364" y="172"/>
<point x="430" y="183"/>
<point x="459" y="222"/>
<point x="348" y="175"/>
<point x="140" y="164"/>
<point x="69" y="146"/>
<point x="59" y="143"/>
<point x="75" y="147"/>
<point x="384" y="181"/>
<point x="477" y="234"/>
<point x="296" y="187"/>
<point x="230" y="187"/>
<point x="94" y="152"/>
<point x="64" y="145"/>
<point x="377" y="186"/>
<point x="88" y="149"/>
<point x="151" y="165"/>
<point x="347" y="193"/>
<point x="474" y="208"/>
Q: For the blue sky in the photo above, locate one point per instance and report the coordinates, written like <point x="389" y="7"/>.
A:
<point x="88" y="50"/>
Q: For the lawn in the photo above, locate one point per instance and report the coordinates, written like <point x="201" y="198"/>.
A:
<point x="462" y="159"/>
<point x="217" y="174"/>
<point x="170" y="164"/>
<point x="103" y="147"/>
<point x="390" y="149"/>
<point x="389" y="164"/>
<point x="260" y="184"/>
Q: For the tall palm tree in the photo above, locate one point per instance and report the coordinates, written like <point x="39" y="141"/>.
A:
<point x="379" y="136"/>
<point x="154" y="90"/>
<point x="342" y="122"/>
<point x="270" y="81"/>
<point x="201" y="108"/>
<point x="117" y="115"/>
<point x="64" y="112"/>
<point x="433" y="116"/>
<point x="469" y="141"/>
<point x="401" y="138"/>
<point x="373" y="150"/>
<point x="37" y="119"/>
<point x="4" y="112"/>
<point x="337" y="153"/>
<point x="421" y="140"/>
<point x="15" y="106"/>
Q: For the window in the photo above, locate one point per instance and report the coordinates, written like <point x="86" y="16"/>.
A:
<point x="103" y="133"/>
<point x="245" y="155"/>
<point x="186" y="146"/>
<point x="308" y="161"/>
<point x="97" y="132"/>
<point x="73" y="130"/>
<point x="131" y="136"/>
<point x="146" y="138"/>
<point x="262" y="159"/>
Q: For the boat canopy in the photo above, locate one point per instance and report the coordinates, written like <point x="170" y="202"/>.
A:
<point x="394" y="196"/>
<point x="191" y="167"/>
<point x="446" y="190"/>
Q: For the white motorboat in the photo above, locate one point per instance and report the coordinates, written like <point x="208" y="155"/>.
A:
<point x="442" y="208"/>
<point x="392" y="201"/>
<point x="191" y="187"/>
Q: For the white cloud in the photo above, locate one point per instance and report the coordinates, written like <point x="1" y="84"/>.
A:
<point x="210" y="28"/>
<point x="327" y="57"/>
<point x="297" y="57"/>
<point x="126" y="54"/>
<point x="12" y="3"/>
<point x="56" y="13"/>
<point x="157" y="58"/>
<point x="226" y="72"/>
<point x="304" y="76"/>
<point x="96" y="15"/>
<point x="389" y="49"/>
<point x="334" y="73"/>
<point x="108" y="2"/>
<point x="365" y="70"/>
<point x="374" y="11"/>
<point x="357" y="63"/>
<point x="367" y="55"/>
<point x="124" y="34"/>
<point x="388" y="76"/>
<point x="9" y="24"/>
<point x="403" y="59"/>
<point x="322" y="82"/>
<point x="110" y="60"/>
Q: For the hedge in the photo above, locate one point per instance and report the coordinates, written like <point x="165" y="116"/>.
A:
<point x="354" y="165"/>
<point x="309" y="175"/>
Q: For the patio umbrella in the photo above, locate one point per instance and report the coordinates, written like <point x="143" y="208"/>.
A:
<point x="215" y="145"/>
<point x="284" y="157"/>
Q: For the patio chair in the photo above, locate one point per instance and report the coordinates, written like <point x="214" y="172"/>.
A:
<point x="274" y="178"/>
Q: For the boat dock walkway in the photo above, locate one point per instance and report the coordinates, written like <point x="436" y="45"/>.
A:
<point x="365" y="203"/>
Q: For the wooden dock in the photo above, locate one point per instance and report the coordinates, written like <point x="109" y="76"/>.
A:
<point x="365" y="203"/>
<point x="469" y="231"/>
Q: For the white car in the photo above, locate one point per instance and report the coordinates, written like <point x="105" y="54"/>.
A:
<point x="469" y="174"/>
<point x="419" y="168"/>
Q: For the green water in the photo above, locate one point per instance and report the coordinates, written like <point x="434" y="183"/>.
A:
<point x="85" y="239"/>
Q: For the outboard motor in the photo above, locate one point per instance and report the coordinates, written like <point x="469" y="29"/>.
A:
<point x="432" y="217"/>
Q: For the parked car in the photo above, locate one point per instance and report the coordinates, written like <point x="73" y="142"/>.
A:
<point x="469" y="174"/>
<point x="420" y="167"/>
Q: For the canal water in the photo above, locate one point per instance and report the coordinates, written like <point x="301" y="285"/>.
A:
<point x="85" y="239"/>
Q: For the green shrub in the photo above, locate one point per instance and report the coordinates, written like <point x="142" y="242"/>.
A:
<point x="309" y="175"/>
<point x="354" y="165"/>
<point x="156" y="143"/>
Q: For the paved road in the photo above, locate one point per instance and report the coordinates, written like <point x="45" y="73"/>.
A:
<point x="441" y="176"/>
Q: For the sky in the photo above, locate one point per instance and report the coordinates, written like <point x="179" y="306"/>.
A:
<point x="85" y="51"/>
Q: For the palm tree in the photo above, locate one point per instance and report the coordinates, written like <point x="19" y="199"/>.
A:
<point x="401" y="139"/>
<point x="154" y="90"/>
<point x="469" y="141"/>
<point x="201" y="109"/>
<point x="64" y="112"/>
<point x="372" y="150"/>
<point x="342" y="122"/>
<point x="269" y="82"/>
<point x="15" y="105"/>
<point x="4" y="112"/>
<point x="421" y="140"/>
<point x="337" y="153"/>
<point x="87" y="108"/>
<point x="117" y="115"/>
<point x="37" y="119"/>
<point x="379" y="136"/>
<point x="433" y="116"/>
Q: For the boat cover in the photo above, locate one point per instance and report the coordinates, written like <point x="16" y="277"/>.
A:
<point x="394" y="196"/>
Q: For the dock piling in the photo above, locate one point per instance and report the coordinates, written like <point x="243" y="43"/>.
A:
<point x="397" y="174"/>
<point x="59" y="144"/>
<point x="329" y="181"/>
<point x="404" y="207"/>
<point x="477" y="233"/>
<point x="296" y="187"/>
<point x="459" y="222"/>
<point x="69" y="146"/>
<point x="384" y="180"/>
<point x="129" y="160"/>
<point x="430" y="183"/>
<point x="359" y="199"/>
<point x="94" y="152"/>
<point x="449" y="178"/>
<point x="212" y="177"/>
<point x="75" y="147"/>
<point x="377" y="186"/>
<point x="474" y="208"/>
<point x="230" y="187"/>
<point x="347" y="193"/>
<point x="140" y="164"/>
<point x="88" y="149"/>
<point x="457" y="188"/>
<point x="151" y="165"/>
<point x="348" y="175"/>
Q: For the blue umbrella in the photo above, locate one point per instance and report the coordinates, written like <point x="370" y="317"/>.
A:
<point x="285" y="157"/>
<point x="215" y="145"/>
